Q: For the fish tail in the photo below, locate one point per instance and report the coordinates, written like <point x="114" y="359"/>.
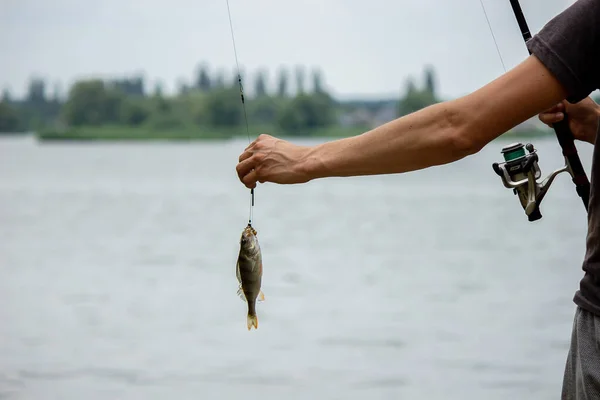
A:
<point x="252" y="321"/>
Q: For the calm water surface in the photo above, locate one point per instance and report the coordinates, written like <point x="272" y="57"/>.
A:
<point x="117" y="279"/>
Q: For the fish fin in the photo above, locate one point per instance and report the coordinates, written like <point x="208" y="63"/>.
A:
<point x="237" y="272"/>
<point x="252" y="321"/>
<point x="240" y="293"/>
<point x="261" y="296"/>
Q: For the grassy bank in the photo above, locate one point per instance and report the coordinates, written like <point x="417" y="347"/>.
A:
<point x="125" y="133"/>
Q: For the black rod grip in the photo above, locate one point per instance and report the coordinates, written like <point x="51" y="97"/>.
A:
<point x="567" y="143"/>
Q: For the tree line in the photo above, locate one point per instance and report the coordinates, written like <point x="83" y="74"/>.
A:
<point x="297" y="103"/>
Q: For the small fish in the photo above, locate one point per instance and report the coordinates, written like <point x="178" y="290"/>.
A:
<point x="249" y="271"/>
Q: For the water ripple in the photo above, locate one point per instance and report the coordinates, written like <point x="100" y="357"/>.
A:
<point x="350" y="342"/>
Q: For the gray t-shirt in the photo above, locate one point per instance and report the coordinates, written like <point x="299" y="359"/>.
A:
<point x="569" y="46"/>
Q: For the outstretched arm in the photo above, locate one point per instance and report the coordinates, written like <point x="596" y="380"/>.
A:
<point x="438" y="134"/>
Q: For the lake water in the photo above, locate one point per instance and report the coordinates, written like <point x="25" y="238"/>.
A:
<point x="117" y="279"/>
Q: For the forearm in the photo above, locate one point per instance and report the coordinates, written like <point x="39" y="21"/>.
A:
<point x="444" y="132"/>
<point x="428" y="137"/>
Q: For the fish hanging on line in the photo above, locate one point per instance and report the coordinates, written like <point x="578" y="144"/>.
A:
<point x="249" y="271"/>
<point x="249" y="263"/>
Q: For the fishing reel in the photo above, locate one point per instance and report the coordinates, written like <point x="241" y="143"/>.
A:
<point x="521" y="173"/>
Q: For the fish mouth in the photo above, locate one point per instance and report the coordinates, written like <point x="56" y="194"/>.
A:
<point x="249" y="231"/>
<point x="248" y="235"/>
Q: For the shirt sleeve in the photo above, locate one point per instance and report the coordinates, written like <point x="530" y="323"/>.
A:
<point x="569" y="46"/>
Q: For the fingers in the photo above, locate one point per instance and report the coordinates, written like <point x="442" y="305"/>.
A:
<point x="249" y="162"/>
<point x="560" y="107"/>
<point x="557" y="108"/>
<point x="245" y="155"/>
<point x="245" y="166"/>
<point x="250" y="180"/>
<point x="252" y="147"/>
<point x="247" y="151"/>
<point x="553" y="114"/>
<point x="551" y="118"/>
<point x="247" y="170"/>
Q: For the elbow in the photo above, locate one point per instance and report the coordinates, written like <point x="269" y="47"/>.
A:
<point x="463" y="144"/>
<point x="457" y="127"/>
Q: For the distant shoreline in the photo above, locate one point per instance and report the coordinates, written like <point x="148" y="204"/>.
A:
<point x="121" y="134"/>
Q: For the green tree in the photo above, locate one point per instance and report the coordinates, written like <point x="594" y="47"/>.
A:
<point x="307" y="112"/>
<point x="196" y="109"/>
<point x="182" y="87"/>
<point x="224" y="109"/>
<point x="260" y="85"/>
<point x="415" y="99"/>
<point x="90" y="102"/>
<point x="36" y="92"/>
<point x="133" y="112"/>
<point x="162" y="105"/>
<point x="203" y="82"/>
<point x="34" y="109"/>
<point x="299" y="79"/>
<point x="235" y="82"/>
<point x="219" y="81"/>
<point x="158" y="89"/>
<point x="317" y="81"/>
<point x="263" y="109"/>
<point x="9" y="119"/>
<point x="6" y="97"/>
<point x="411" y="88"/>
<point x="282" y="82"/>
<point x="128" y="86"/>
<point x="430" y="81"/>
<point x="57" y="95"/>
<point x="165" y="122"/>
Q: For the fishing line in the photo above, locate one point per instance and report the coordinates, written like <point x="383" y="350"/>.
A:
<point x="243" y="104"/>
<point x="493" y="37"/>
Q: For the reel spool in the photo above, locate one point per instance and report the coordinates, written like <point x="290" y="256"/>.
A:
<point x="521" y="173"/>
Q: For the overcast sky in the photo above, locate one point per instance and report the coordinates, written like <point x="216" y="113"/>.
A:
<point x="364" y="47"/>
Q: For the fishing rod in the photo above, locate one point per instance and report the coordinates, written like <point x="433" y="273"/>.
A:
<point x="520" y="171"/>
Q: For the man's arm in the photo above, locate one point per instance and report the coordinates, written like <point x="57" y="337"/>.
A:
<point x="444" y="132"/>
<point x="439" y="134"/>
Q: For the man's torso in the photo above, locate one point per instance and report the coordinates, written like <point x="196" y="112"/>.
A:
<point x="569" y="46"/>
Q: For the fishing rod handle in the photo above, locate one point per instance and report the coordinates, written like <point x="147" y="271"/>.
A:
<point x="567" y="143"/>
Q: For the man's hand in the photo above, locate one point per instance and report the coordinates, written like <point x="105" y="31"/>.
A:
<point x="584" y="118"/>
<point x="269" y="159"/>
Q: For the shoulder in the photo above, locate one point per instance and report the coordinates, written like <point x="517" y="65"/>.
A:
<point x="569" y="46"/>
